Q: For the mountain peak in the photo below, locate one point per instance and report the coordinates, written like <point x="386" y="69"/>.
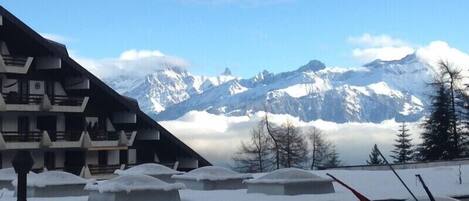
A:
<point x="227" y="72"/>
<point x="313" y="65"/>
<point x="410" y="58"/>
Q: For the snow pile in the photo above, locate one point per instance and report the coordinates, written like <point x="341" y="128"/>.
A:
<point x="50" y="178"/>
<point x="212" y="173"/>
<point x="151" y="169"/>
<point x="129" y="183"/>
<point x="287" y="175"/>
<point x="7" y="174"/>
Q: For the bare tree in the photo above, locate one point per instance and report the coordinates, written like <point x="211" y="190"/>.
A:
<point x="452" y="76"/>
<point x="255" y="155"/>
<point x="292" y="146"/>
<point x="332" y="159"/>
<point x="319" y="147"/>
<point x="273" y="133"/>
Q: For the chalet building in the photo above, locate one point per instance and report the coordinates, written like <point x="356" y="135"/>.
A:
<point x="67" y="117"/>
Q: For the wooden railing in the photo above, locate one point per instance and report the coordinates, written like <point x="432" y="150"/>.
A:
<point x="15" y="98"/>
<point x="103" y="169"/>
<point x="15" y="61"/>
<point x="101" y="135"/>
<point x="66" y="136"/>
<point x="15" y="136"/>
<point x="66" y="100"/>
<point x="35" y="136"/>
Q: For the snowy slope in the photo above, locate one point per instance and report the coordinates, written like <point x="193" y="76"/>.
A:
<point x="377" y="91"/>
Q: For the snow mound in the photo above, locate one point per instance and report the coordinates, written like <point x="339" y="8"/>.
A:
<point x="151" y="169"/>
<point x="129" y="183"/>
<point x="287" y="175"/>
<point x="9" y="174"/>
<point x="51" y="178"/>
<point x="212" y="173"/>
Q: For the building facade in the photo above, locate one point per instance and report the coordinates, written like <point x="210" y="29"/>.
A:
<point x="67" y="117"/>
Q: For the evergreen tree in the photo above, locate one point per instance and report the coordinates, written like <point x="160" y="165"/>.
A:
<point x="402" y="152"/>
<point x="374" y="157"/>
<point x="436" y="143"/>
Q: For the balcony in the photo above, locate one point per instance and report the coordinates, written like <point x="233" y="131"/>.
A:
<point x="15" y="64"/>
<point x="15" y="136"/>
<point x="64" y="139"/>
<point x="36" y="102"/>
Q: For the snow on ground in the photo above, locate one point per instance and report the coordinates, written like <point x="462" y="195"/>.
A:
<point x="442" y="181"/>
<point x="148" y="169"/>
<point x="52" y="178"/>
<point x="286" y="175"/>
<point x="129" y="183"/>
<point x="212" y="173"/>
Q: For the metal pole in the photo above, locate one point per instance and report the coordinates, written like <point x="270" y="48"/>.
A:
<point x="21" y="186"/>
<point x="395" y="173"/>
<point x="425" y="187"/>
<point x="22" y="163"/>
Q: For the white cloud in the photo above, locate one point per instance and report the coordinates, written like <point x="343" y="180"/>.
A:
<point x="441" y="51"/>
<point x="368" y="40"/>
<point x="130" y="62"/>
<point x="209" y="132"/>
<point x="383" y="47"/>
<point x="56" y="37"/>
<point x="382" y="53"/>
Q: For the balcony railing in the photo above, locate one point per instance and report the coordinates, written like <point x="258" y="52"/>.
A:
<point x="15" y="61"/>
<point x="65" y="136"/>
<point x="15" y="64"/>
<point x="15" y="136"/>
<point x="35" y="136"/>
<point x="102" y="135"/>
<point x="66" y="100"/>
<point x="15" y="98"/>
<point x="103" y="169"/>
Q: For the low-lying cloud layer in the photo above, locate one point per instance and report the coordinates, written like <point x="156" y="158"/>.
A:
<point x="218" y="137"/>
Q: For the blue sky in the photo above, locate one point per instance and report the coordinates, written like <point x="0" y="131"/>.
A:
<point x="246" y="35"/>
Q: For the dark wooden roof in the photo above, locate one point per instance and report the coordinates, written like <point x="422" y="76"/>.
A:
<point x="60" y="51"/>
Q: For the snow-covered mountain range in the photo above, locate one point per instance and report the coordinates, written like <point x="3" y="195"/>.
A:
<point x="375" y="92"/>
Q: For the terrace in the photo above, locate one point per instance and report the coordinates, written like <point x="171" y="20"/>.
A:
<point x="39" y="102"/>
<point x="64" y="139"/>
<point x="15" y="64"/>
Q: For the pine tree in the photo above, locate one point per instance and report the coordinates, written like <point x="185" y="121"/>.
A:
<point x="374" y="157"/>
<point x="436" y="143"/>
<point x="403" y="148"/>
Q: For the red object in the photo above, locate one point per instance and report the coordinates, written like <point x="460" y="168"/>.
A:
<point x="356" y="193"/>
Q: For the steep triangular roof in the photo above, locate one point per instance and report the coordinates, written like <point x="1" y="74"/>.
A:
<point x="60" y="51"/>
